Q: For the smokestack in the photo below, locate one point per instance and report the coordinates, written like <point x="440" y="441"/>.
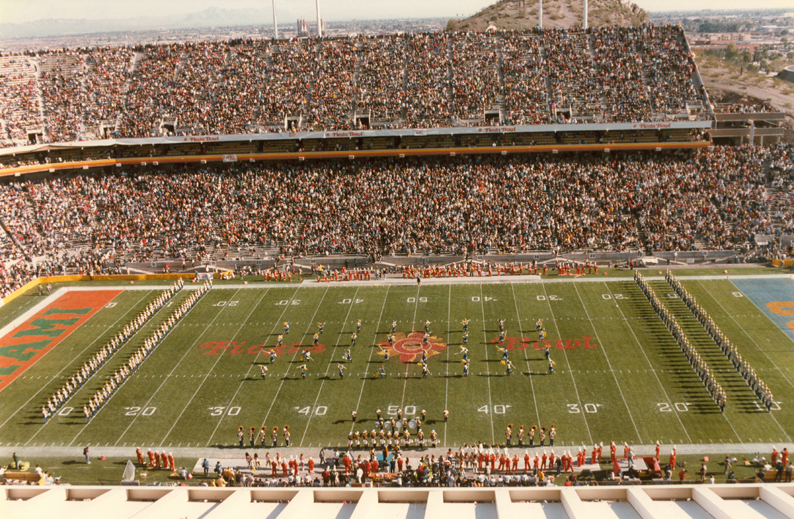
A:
<point x="540" y="15"/>
<point x="319" y="21"/>
<point x="275" y="21"/>
<point x="585" y="14"/>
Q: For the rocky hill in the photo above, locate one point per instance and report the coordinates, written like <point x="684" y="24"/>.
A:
<point x="523" y="14"/>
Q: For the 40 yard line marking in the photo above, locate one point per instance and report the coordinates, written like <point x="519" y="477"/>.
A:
<point x="565" y="353"/>
<point x="655" y="374"/>
<point x="187" y="351"/>
<point x="487" y="369"/>
<point x="592" y="325"/>
<point x="358" y="402"/>
<point x="322" y="382"/>
<point x="278" y="391"/>
<point x="73" y="359"/>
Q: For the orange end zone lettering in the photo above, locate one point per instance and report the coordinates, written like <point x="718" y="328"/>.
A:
<point x="30" y="341"/>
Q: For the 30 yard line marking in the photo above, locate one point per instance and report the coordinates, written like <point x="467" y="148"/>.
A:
<point x="278" y="391"/>
<point x="606" y="357"/>
<point x="187" y="351"/>
<point x="322" y="382"/>
<point x="642" y="349"/>
<point x="69" y="364"/>
<point x="487" y="369"/>
<point x="361" y="393"/>
<point x="565" y="353"/>
<point x="526" y="357"/>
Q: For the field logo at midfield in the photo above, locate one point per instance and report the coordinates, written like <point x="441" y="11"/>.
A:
<point x="40" y="333"/>
<point x="409" y="348"/>
<point x="521" y="343"/>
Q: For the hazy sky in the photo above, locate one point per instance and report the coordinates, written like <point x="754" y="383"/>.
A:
<point x="19" y="11"/>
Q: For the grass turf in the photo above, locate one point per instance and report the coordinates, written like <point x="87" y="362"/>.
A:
<point x="632" y="385"/>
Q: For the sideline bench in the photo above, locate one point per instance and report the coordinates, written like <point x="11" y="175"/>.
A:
<point x="27" y="477"/>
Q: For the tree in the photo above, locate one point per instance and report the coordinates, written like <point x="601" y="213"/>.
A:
<point x="731" y="53"/>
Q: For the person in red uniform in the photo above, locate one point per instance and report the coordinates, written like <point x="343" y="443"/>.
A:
<point x="480" y="458"/>
<point x="594" y="456"/>
<point x="346" y="463"/>
<point x="774" y="456"/>
<point x="613" y="452"/>
<point x="493" y="462"/>
<point x="171" y="463"/>
<point x="658" y="450"/>
<point x="537" y="461"/>
<point x="672" y="459"/>
<point x="515" y="463"/>
<point x="543" y="461"/>
<point x="139" y="455"/>
<point x="600" y="450"/>
<point x="274" y="468"/>
<point x="551" y="460"/>
<point x="784" y="456"/>
<point x="527" y="464"/>
<point x="311" y="465"/>
<point x="502" y="461"/>
<point x="164" y="460"/>
<point x="284" y="469"/>
<point x="151" y="457"/>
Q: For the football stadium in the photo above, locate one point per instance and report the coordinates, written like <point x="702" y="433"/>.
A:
<point x="494" y="273"/>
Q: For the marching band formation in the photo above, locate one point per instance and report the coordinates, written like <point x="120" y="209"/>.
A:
<point x="761" y="390"/>
<point x="698" y="364"/>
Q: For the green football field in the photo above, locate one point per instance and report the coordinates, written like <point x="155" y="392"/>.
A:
<point x="619" y="374"/>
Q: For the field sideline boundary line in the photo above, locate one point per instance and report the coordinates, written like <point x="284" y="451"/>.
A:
<point x="650" y="364"/>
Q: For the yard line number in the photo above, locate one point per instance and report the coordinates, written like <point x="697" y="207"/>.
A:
<point x="552" y="297"/>
<point x="588" y="408"/>
<point x="681" y="407"/>
<point x="496" y="409"/>
<point x="142" y="411"/>
<point x="226" y="303"/>
<point x="223" y="410"/>
<point x="320" y="410"/>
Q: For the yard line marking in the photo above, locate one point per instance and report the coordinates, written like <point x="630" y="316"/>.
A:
<point x="408" y="364"/>
<point x="278" y="391"/>
<point x="446" y="383"/>
<point x="358" y="402"/>
<point x="73" y="359"/>
<point x="487" y="369"/>
<point x="526" y="357"/>
<point x="565" y="353"/>
<point x="187" y="350"/>
<point x="756" y="344"/>
<point x="592" y="325"/>
<point x="775" y="364"/>
<point x="322" y="383"/>
<point x="644" y="354"/>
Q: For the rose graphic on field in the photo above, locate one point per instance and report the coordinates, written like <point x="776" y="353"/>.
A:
<point x="409" y="348"/>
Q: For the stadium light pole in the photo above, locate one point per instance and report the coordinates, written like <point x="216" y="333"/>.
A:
<point x="584" y="25"/>
<point x="319" y="22"/>
<point x="540" y="15"/>
<point x="275" y="21"/>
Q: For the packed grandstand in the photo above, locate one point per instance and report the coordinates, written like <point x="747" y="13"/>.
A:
<point x="627" y="74"/>
<point x="149" y="99"/>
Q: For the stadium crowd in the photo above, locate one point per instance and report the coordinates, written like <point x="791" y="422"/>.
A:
<point x="413" y="80"/>
<point x="712" y="199"/>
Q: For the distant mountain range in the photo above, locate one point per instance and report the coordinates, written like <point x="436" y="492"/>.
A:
<point x="211" y="17"/>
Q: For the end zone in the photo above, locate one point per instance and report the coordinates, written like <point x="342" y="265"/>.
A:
<point x="37" y="332"/>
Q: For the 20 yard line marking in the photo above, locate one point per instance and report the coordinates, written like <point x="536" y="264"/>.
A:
<point x="328" y="367"/>
<point x="642" y="349"/>
<point x="187" y="351"/>
<point x="565" y="353"/>
<point x="361" y="393"/>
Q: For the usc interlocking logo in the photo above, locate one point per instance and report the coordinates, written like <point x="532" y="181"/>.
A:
<point x="409" y="348"/>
